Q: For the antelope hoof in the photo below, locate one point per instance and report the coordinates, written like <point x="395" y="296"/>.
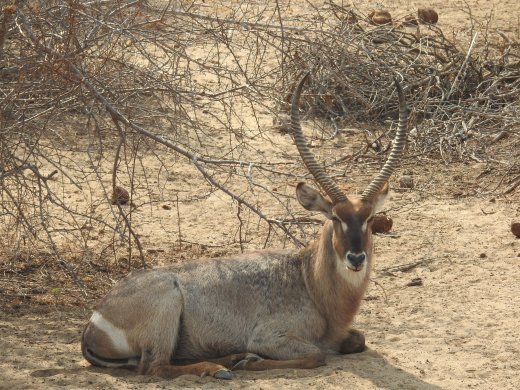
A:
<point x="353" y="343"/>
<point x="223" y="374"/>
<point x="250" y="357"/>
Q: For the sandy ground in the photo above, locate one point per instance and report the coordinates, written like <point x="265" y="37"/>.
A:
<point x="442" y="311"/>
<point x="457" y="329"/>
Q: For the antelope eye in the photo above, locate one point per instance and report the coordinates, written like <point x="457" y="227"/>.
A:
<point x="335" y="219"/>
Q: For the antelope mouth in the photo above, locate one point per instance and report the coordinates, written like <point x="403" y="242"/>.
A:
<point x="356" y="269"/>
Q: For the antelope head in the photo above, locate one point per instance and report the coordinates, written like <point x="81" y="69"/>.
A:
<point x="351" y="217"/>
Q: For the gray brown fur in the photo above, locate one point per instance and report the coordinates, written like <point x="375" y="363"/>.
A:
<point x="280" y="305"/>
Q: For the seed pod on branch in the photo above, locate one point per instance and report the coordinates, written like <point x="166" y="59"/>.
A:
<point x="382" y="224"/>
<point x="427" y="15"/>
<point x="515" y="229"/>
<point x="380" y="16"/>
<point x="120" y="196"/>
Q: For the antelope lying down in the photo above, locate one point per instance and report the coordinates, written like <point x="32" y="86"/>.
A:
<point x="256" y="311"/>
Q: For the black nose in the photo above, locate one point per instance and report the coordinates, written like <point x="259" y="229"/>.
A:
<point x="356" y="259"/>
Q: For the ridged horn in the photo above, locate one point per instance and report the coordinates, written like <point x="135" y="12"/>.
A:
<point x="326" y="183"/>
<point x="397" y="148"/>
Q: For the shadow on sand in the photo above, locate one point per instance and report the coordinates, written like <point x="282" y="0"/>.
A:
<point x="369" y="365"/>
<point x="372" y="366"/>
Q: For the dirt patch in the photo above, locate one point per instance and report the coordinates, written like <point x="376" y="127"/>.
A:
<point x="442" y="312"/>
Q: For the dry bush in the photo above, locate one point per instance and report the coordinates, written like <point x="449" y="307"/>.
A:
<point x="104" y="94"/>
<point x="462" y="97"/>
<point x="174" y="101"/>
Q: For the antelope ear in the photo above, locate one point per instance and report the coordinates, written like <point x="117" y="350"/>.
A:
<point x="312" y="200"/>
<point x="379" y="198"/>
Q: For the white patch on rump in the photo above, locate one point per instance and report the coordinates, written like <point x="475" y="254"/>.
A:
<point x="116" y="335"/>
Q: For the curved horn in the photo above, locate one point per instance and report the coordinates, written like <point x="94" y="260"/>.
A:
<point x="397" y="148"/>
<point x="325" y="182"/>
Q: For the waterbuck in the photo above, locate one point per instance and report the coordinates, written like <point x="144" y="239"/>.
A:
<point x="262" y="310"/>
